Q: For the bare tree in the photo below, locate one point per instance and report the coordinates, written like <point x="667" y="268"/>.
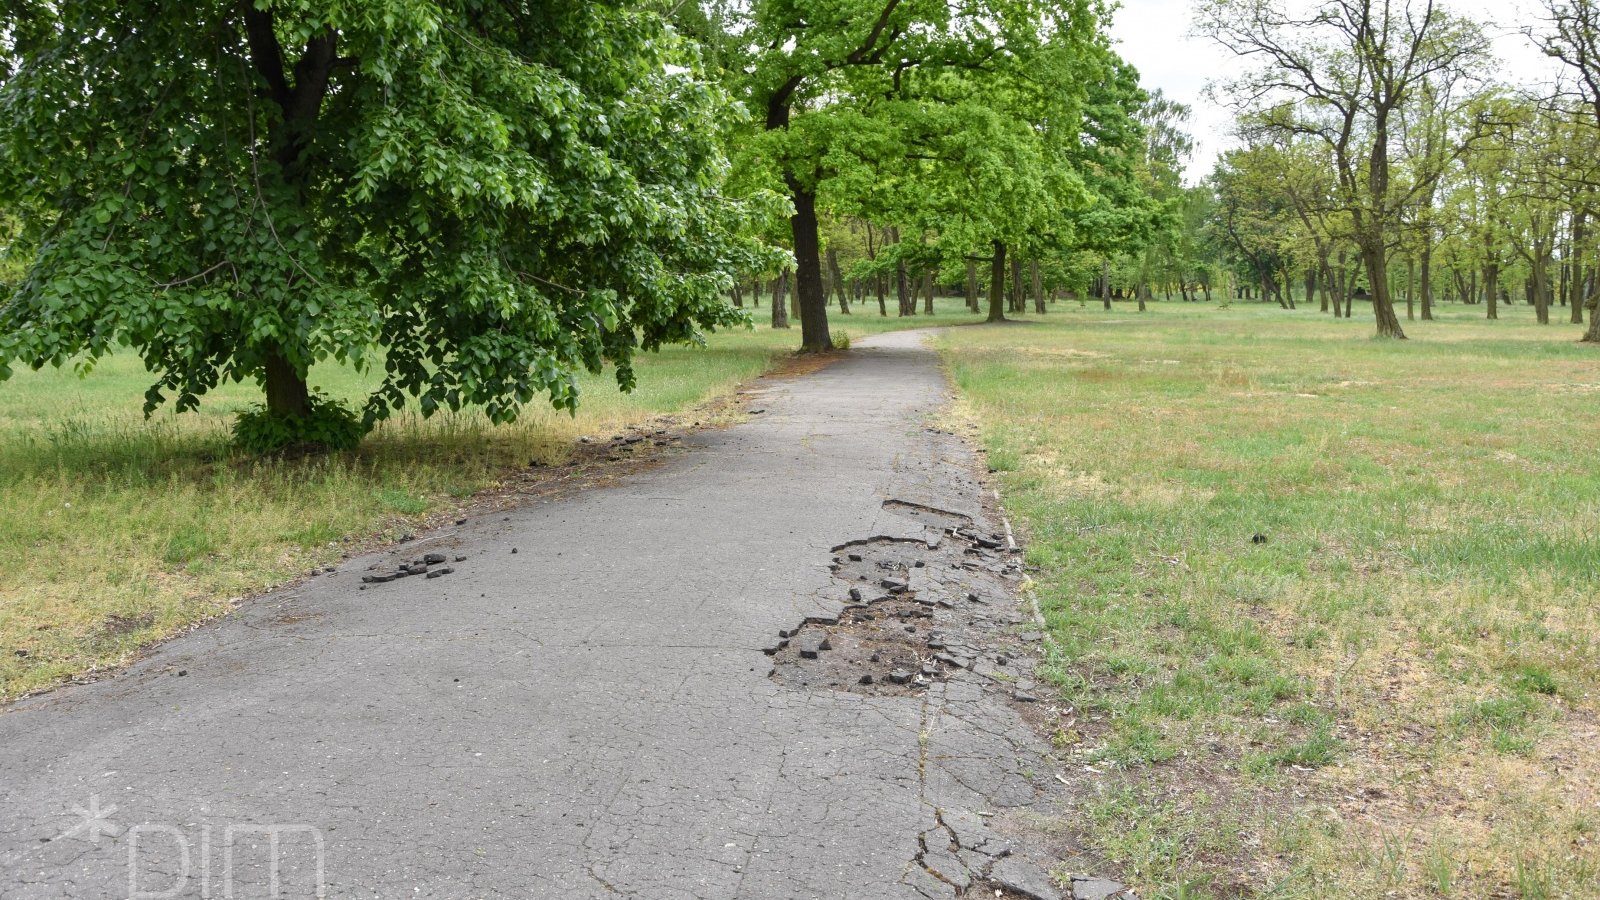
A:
<point x="1340" y="71"/>
<point x="1572" y="35"/>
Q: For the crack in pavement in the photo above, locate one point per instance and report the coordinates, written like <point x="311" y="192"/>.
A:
<point x="592" y="716"/>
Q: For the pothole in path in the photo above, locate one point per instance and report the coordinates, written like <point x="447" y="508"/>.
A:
<point x="879" y="648"/>
<point x="916" y="615"/>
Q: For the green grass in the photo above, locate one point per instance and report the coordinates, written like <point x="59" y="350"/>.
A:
<point x="121" y="531"/>
<point x="1395" y="690"/>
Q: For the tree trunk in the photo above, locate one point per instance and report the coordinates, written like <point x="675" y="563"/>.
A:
<point x="997" y="284"/>
<point x="807" y="245"/>
<point x="837" y="278"/>
<point x="1541" y="281"/>
<point x="287" y="394"/>
<point x="1426" y="288"/>
<point x="1376" y="257"/>
<point x="1038" y="288"/>
<point x="1411" y="285"/>
<point x="1015" y="293"/>
<point x="808" y="269"/>
<point x="927" y="294"/>
<point x="780" y="303"/>
<point x="738" y="296"/>
<point x="902" y="286"/>
<point x="972" y="284"/>
<point x="1491" y="289"/>
<point x="1580" y="234"/>
<point x="1105" y="282"/>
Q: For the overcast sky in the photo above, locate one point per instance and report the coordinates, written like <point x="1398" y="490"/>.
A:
<point x="1156" y="36"/>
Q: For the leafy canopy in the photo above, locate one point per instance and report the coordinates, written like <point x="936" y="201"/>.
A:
<point x="480" y="197"/>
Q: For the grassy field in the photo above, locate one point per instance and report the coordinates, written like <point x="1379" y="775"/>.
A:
<point x="1325" y="607"/>
<point x="118" y="531"/>
<point x="1391" y="694"/>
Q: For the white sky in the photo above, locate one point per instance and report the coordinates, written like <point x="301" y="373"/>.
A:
<point x="1156" y="36"/>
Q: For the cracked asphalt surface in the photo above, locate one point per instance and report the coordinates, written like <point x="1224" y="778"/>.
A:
<point x="591" y="716"/>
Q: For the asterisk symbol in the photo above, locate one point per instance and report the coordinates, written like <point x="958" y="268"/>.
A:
<point x="96" y="821"/>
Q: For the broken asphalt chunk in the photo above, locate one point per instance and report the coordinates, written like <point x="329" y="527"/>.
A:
<point x="812" y="644"/>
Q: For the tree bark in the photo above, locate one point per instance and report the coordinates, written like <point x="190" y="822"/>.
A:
<point x="780" y="304"/>
<point x="1376" y="257"/>
<point x="1038" y="287"/>
<point x="808" y="270"/>
<point x="1491" y="289"/>
<point x="1411" y="286"/>
<point x="1016" y="284"/>
<point x="1105" y="282"/>
<point x="902" y="287"/>
<point x="997" y="284"/>
<point x="1425" y="289"/>
<point x="1580" y="233"/>
<point x="287" y="393"/>
<point x="838" y="281"/>
<point x="972" y="284"/>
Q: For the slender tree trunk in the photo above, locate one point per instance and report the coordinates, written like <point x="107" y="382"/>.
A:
<point x="1038" y="287"/>
<point x="997" y="284"/>
<point x="902" y="283"/>
<point x="1580" y="234"/>
<point x="738" y="296"/>
<point x="1411" y="284"/>
<point x="1426" y="287"/>
<point x="927" y="294"/>
<point x="1105" y="282"/>
<point x="1591" y="335"/>
<point x="780" y="304"/>
<point x="1014" y="289"/>
<point x="1491" y="289"/>
<point x="1541" y="281"/>
<point x="972" y="284"/>
<point x="838" y="281"/>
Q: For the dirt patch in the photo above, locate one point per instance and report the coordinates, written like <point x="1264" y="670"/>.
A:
<point x="918" y="611"/>
<point x="115" y="626"/>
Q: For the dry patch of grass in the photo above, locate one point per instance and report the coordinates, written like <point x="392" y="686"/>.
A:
<point x="1324" y="604"/>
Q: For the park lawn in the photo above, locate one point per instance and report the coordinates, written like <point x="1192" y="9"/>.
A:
<point x="1395" y="693"/>
<point x="120" y="531"/>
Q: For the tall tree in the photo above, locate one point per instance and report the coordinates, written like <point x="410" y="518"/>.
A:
<point x="820" y="72"/>
<point x="1340" y="72"/>
<point x="479" y="197"/>
<point x="1571" y="34"/>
